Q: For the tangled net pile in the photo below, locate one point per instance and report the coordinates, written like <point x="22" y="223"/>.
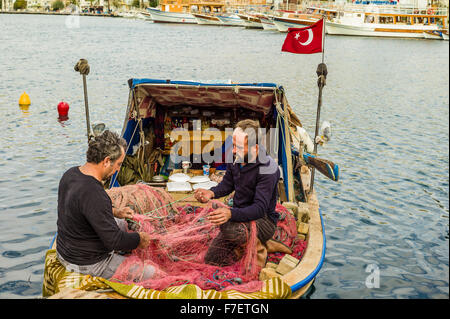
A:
<point x="180" y="237"/>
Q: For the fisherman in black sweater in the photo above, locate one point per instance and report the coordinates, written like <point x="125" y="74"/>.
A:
<point x="254" y="178"/>
<point x="89" y="234"/>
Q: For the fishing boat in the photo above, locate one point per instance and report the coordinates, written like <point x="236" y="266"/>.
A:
<point x="251" y="21"/>
<point x="165" y="105"/>
<point x="207" y="19"/>
<point x="231" y="20"/>
<point x="394" y="24"/>
<point x="159" y="16"/>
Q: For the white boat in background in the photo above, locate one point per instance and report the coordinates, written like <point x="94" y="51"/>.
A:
<point x="403" y="25"/>
<point x="231" y="20"/>
<point x="295" y="21"/>
<point x="159" y="16"/>
<point x="445" y="34"/>
<point x="208" y="19"/>
<point x="267" y="23"/>
<point x="251" y="21"/>
<point x="147" y="16"/>
<point x="433" y="35"/>
<point x="127" y="14"/>
<point x="302" y="19"/>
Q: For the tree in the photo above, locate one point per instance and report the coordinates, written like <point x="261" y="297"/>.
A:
<point x="116" y="3"/>
<point x="20" y="4"/>
<point x="153" y="3"/>
<point x="57" y="5"/>
<point x="135" y="3"/>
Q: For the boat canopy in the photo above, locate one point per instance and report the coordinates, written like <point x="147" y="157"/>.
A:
<point x="259" y="97"/>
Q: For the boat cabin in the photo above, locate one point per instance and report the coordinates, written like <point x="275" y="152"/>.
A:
<point x="358" y="18"/>
<point x="171" y="122"/>
<point x="187" y="6"/>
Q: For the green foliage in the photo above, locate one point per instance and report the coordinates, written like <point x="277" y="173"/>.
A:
<point x="20" y="4"/>
<point x="57" y="5"/>
<point x="154" y="3"/>
<point x="116" y="3"/>
<point x="135" y="3"/>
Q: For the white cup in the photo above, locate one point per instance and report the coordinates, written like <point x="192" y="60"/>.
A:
<point x="186" y="165"/>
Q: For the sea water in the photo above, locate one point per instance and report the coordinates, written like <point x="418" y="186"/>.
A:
<point x="386" y="219"/>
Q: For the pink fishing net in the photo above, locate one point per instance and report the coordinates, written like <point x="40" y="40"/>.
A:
<point x="180" y="238"/>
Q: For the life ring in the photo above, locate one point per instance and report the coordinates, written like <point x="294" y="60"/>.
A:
<point x="430" y="11"/>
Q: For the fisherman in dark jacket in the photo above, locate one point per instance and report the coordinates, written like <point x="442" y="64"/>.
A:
<point x="254" y="177"/>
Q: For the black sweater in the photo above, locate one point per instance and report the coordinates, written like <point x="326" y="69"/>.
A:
<point x="87" y="230"/>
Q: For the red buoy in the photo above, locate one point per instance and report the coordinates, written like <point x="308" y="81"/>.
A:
<point x="63" y="109"/>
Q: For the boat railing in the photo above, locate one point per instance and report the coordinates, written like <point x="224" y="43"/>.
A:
<point x="394" y="9"/>
<point x="361" y="6"/>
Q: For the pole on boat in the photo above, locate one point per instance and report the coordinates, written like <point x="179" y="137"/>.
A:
<point x="321" y="81"/>
<point x="82" y="66"/>
<point x="322" y="74"/>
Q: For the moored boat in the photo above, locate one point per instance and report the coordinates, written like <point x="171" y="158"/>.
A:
<point x="445" y="34"/>
<point x="159" y="16"/>
<point x="267" y="23"/>
<point x="154" y="107"/>
<point x="147" y="16"/>
<point x="207" y="19"/>
<point x="251" y="21"/>
<point x="294" y="21"/>
<point x="302" y="19"/>
<point x="231" y="20"/>
<point x="384" y="24"/>
<point x="433" y="35"/>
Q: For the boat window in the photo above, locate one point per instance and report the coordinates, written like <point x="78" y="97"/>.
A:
<point x="370" y="19"/>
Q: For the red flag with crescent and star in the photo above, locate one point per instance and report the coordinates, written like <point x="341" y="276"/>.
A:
<point x="305" y="40"/>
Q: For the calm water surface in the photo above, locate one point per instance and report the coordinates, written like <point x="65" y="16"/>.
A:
<point x="387" y="100"/>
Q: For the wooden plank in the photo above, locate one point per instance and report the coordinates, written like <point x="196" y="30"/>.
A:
<point x="313" y="253"/>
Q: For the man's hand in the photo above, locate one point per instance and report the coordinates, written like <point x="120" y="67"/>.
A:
<point x="203" y="195"/>
<point x="219" y="216"/>
<point x="126" y="212"/>
<point x="145" y="240"/>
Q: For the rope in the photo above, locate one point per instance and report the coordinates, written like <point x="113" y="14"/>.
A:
<point x="280" y="115"/>
<point x="178" y="200"/>
<point x="82" y="66"/>
<point x="128" y="147"/>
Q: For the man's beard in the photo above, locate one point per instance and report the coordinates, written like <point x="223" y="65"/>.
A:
<point x="107" y="175"/>
<point x="239" y="159"/>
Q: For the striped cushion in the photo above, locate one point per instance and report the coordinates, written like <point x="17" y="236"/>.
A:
<point x="57" y="278"/>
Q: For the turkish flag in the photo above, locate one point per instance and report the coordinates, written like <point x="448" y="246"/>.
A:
<point x="305" y="40"/>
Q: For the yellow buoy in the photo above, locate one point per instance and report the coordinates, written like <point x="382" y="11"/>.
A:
<point x="24" y="100"/>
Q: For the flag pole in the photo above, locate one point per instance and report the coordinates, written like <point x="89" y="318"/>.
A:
<point x="323" y="38"/>
<point x="322" y="74"/>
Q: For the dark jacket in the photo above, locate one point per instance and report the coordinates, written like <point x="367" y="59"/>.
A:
<point x="256" y="191"/>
